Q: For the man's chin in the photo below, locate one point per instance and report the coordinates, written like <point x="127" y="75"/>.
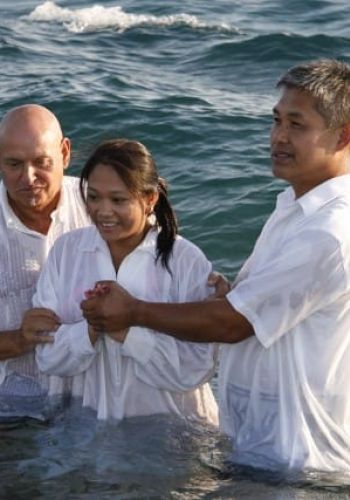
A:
<point x="35" y="202"/>
<point x="280" y="171"/>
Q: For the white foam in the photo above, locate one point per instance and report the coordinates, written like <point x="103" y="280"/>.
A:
<point x="98" y="17"/>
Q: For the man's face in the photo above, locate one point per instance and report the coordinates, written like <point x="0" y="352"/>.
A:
<point x="32" y="162"/>
<point x="303" y="149"/>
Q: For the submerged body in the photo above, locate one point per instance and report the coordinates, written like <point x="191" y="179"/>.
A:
<point x="149" y="373"/>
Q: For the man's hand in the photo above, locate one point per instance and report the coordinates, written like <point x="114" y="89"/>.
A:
<point x="221" y="284"/>
<point x="110" y="311"/>
<point x="36" y="325"/>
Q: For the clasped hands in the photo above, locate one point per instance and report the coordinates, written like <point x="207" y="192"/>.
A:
<point x="108" y="309"/>
<point x="38" y="323"/>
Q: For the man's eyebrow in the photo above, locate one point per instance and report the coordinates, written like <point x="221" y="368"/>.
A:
<point x="290" y="114"/>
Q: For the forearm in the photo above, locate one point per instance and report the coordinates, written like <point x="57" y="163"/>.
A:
<point x="211" y="321"/>
<point x="13" y="344"/>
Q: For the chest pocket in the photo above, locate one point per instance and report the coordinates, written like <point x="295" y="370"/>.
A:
<point x="19" y="269"/>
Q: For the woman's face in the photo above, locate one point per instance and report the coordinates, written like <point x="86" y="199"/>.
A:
<point x="119" y="216"/>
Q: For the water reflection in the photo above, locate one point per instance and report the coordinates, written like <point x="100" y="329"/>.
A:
<point x="72" y="455"/>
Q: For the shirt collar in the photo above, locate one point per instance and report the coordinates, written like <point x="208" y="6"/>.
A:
<point x="61" y="212"/>
<point x="311" y="201"/>
<point x="11" y="219"/>
<point x="91" y="241"/>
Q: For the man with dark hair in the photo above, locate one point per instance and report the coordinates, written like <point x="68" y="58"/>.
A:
<point x="284" y="326"/>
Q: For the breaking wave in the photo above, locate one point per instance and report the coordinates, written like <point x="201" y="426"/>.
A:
<point x="98" y="17"/>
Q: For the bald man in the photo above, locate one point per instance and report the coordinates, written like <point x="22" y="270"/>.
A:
<point x="37" y="204"/>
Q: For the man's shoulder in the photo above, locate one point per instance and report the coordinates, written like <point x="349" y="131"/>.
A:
<point x="334" y="216"/>
<point x="71" y="182"/>
<point x="72" y="209"/>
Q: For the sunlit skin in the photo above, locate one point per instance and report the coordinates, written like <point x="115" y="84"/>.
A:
<point x="304" y="151"/>
<point x="120" y="216"/>
<point x="33" y="157"/>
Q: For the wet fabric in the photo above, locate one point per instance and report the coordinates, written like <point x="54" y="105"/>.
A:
<point x="151" y="372"/>
<point x="22" y="254"/>
<point x="284" y="392"/>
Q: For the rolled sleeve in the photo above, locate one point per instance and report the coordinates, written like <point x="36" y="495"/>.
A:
<point x="280" y="293"/>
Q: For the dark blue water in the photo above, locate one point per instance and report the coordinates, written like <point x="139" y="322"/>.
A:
<point x="194" y="80"/>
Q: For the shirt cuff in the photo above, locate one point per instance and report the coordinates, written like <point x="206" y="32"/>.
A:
<point x="139" y="344"/>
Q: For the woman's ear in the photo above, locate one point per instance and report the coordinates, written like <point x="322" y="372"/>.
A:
<point x="151" y="200"/>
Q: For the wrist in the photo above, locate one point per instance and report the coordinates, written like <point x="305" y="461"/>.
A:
<point x="93" y="334"/>
<point x="22" y="344"/>
<point x="137" y="313"/>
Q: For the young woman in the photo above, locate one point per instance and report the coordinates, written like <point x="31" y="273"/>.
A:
<point x="134" y="241"/>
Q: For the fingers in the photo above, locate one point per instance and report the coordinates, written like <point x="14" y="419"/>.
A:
<point x="41" y="314"/>
<point x="213" y="278"/>
<point x="101" y="288"/>
<point x="221" y="284"/>
<point x="36" y="325"/>
<point x="37" y="337"/>
<point x="43" y="338"/>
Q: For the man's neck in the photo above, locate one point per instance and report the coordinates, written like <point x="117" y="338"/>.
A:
<point x="35" y="218"/>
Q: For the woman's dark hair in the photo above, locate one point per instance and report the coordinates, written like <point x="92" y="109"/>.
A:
<point x="132" y="161"/>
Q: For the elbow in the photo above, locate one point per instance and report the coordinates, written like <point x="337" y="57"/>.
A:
<point x="234" y="326"/>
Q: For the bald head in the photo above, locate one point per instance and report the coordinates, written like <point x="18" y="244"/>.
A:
<point x="28" y="121"/>
<point x="33" y="156"/>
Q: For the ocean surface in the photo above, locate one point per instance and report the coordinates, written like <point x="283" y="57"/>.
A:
<point x="195" y="81"/>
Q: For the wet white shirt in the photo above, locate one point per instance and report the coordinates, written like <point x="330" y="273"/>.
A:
<point x="22" y="254"/>
<point x="284" y="392"/>
<point x="150" y="372"/>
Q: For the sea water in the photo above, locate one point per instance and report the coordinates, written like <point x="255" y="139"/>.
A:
<point x="195" y="81"/>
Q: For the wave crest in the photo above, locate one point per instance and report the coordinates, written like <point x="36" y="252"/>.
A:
<point x="99" y="17"/>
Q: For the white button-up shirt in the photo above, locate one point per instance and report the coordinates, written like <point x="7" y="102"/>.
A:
<point x="284" y="392"/>
<point x="22" y="254"/>
<point x="150" y="372"/>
